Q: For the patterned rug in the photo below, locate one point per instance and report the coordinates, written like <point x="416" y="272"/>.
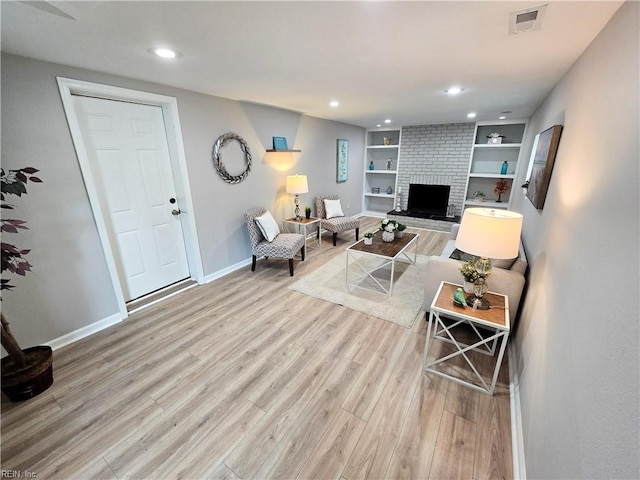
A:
<point x="403" y="307"/>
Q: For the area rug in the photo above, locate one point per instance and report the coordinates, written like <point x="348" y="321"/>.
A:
<point x="402" y="307"/>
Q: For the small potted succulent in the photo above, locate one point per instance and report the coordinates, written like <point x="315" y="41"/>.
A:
<point x="400" y="228"/>
<point x="368" y="238"/>
<point x="307" y="212"/>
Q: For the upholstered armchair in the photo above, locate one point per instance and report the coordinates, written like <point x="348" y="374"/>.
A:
<point x="274" y="244"/>
<point x="334" y="221"/>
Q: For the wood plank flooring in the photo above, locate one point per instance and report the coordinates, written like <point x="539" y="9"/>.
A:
<point x="242" y="378"/>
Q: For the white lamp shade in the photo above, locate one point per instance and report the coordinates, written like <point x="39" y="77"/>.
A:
<point x="490" y="233"/>
<point x="297" y="184"/>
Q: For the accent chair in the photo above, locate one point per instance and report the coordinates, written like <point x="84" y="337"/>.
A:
<point x="283" y="245"/>
<point x="334" y="224"/>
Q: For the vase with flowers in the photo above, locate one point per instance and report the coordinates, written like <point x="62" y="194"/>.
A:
<point x="388" y="228"/>
<point x="471" y="275"/>
<point x="400" y="228"/>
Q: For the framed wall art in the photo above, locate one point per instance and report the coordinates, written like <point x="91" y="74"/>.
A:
<point x="342" y="160"/>
<point x="542" y="160"/>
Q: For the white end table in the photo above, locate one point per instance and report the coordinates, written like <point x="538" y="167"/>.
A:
<point x="489" y="328"/>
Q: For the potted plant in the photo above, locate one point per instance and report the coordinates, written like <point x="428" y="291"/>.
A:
<point x="368" y="238"/>
<point x="478" y="196"/>
<point x="307" y="212"/>
<point x="388" y="228"/>
<point x="470" y="274"/>
<point x="29" y="372"/>
<point x="501" y="187"/>
<point x="400" y="228"/>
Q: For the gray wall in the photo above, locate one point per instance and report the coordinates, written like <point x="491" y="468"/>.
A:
<point x="69" y="287"/>
<point x="578" y="339"/>
<point x="440" y="149"/>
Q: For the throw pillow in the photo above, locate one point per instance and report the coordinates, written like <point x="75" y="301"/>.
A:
<point x="333" y="208"/>
<point x="504" y="263"/>
<point x="268" y="226"/>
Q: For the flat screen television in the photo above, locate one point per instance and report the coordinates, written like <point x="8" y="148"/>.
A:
<point x="428" y="199"/>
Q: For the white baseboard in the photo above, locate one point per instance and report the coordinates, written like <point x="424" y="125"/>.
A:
<point x="226" y="271"/>
<point x="517" y="438"/>
<point x="83" y="332"/>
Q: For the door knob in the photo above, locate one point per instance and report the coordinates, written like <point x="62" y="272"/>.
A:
<point x="176" y="212"/>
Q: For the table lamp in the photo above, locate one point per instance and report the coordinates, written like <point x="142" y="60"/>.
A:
<point x="488" y="233"/>
<point x="297" y="184"/>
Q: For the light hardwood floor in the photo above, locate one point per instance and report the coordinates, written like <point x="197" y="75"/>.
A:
<point x="243" y="378"/>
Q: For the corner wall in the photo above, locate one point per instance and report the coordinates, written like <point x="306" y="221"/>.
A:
<point x="577" y="341"/>
<point x="69" y="287"/>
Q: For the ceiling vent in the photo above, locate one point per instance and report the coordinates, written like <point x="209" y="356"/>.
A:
<point x="526" y="20"/>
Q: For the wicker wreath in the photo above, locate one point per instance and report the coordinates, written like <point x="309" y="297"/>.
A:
<point x="217" y="160"/>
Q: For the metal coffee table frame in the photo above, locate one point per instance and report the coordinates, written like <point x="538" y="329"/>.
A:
<point x="389" y="253"/>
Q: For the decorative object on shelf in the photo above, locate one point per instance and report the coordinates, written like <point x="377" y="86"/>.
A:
<point x="368" y="238"/>
<point x="451" y="210"/>
<point x="280" y="143"/>
<point x="502" y="187"/>
<point x="297" y="184"/>
<point x="495" y="138"/>
<point x="387" y="141"/>
<point x="371" y="165"/>
<point x="389" y="190"/>
<point x="388" y="228"/>
<point x="307" y="212"/>
<point x="505" y="168"/>
<point x="217" y="158"/>
<point x="342" y="160"/>
<point x="400" y="228"/>
<point x="399" y="200"/>
<point x="543" y="159"/>
<point x="375" y="189"/>
<point x="478" y="196"/>
<point x="524" y="187"/>
<point x="389" y="161"/>
<point x="487" y="233"/>
<point x="459" y="299"/>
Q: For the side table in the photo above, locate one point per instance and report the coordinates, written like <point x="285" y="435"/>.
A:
<point x="301" y="227"/>
<point x="488" y="328"/>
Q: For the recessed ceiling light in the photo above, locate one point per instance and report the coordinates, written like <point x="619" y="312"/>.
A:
<point x="378" y="125"/>
<point x="165" y="53"/>
<point x="454" y="90"/>
<point x="502" y="117"/>
<point x="334" y="103"/>
<point x="471" y="115"/>
<point x="388" y="120"/>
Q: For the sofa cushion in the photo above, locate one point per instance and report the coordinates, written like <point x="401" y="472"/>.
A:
<point x="504" y="263"/>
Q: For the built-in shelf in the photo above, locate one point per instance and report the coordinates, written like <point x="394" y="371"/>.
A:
<point x="382" y="151"/>
<point x="380" y="195"/>
<point x="488" y="160"/>
<point x="492" y="175"/>
<point x="292" y="151"/>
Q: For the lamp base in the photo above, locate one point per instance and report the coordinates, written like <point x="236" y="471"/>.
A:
<point x="478" y="303"/>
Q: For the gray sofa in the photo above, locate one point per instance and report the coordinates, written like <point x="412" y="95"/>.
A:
<point x="507" y="281"/>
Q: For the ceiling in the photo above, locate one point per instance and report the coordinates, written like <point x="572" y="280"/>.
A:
<point x="381" y="60"/>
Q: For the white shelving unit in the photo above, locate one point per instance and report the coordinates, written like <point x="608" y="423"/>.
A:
<point x="378" y="153"/>
<point x="487" y="160"/>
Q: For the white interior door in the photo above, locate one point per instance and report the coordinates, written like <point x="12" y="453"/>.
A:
<point x="127" y="148"/>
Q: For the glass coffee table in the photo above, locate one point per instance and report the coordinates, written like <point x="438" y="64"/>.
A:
<point x="372" y="267"/>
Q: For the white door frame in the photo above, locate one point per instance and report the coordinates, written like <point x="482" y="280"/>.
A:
<point x="169" y="106"/>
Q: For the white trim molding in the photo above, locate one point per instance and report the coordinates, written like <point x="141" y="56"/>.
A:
<point x="83" y="332"/>
<point x="517" y="437"/>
